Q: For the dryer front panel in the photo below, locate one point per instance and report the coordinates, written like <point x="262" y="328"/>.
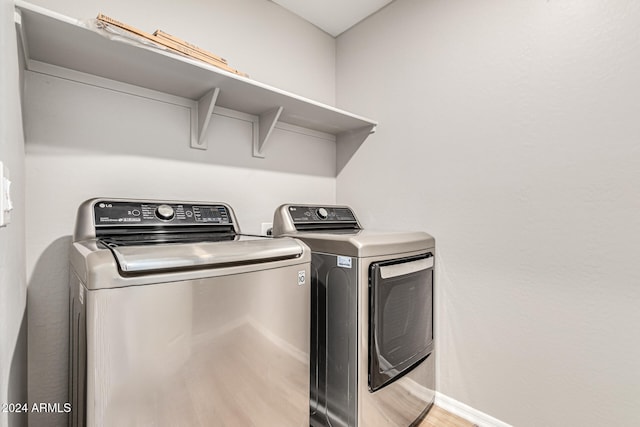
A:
<point x="400" y="317"/>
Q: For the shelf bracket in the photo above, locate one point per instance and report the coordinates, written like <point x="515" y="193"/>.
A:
<point x="266" y="124"/>
<point x="200" y="120"/>
<point x="347" y="143"/>
<point x="22" y="39"/>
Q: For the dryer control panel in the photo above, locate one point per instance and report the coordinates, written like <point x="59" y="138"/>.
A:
<point x="127" y="213"/>
<point x="322" y="217"/>
<point x="306" y="214"/>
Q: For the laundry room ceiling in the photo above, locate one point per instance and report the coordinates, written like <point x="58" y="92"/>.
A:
<point x="333" y="16"/>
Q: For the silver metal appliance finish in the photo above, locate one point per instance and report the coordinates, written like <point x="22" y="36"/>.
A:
<point x="342" y="255"/>
<point x="203" y="254"/>
<point x="221" y="339"/>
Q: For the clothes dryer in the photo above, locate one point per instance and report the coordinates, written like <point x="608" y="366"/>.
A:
<point x="179" y="319"/>
<point x="372" y="343"/>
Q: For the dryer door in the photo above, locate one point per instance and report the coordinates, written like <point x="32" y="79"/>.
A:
<point x="400" y="317"/>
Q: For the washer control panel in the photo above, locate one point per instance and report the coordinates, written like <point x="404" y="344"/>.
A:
<point x="125" y="214"/>
<point x="321" y="214"/>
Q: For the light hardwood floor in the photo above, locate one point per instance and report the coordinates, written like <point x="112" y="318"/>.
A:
<point x="438" y="417"/>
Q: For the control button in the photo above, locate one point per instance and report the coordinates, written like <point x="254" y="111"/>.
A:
<point x="135" y="212"/>
<point x="165" y="212"/>
<point x="322" y="213"/>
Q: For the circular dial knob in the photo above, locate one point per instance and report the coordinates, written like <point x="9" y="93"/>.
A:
<point x="165" y="212"/>
<point x="322" y="213"/>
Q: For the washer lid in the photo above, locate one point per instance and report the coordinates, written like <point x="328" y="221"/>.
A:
<point x="244" y="250"/>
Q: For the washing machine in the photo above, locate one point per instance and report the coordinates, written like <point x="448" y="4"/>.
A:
<point x="372" y="343"/>
<point x="178" y="319"/>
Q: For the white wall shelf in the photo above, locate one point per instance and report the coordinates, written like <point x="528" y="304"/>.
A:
<point x="51" y="38"/>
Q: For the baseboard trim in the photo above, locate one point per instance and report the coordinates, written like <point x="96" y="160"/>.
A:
<point x="467" y="412"/>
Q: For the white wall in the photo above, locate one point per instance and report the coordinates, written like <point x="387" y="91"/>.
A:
<point x="85" y="141"/>
<point x="509" y="130"/>
<point x="13" y="380"/>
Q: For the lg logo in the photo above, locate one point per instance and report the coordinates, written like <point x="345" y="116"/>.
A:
<point x="105" y="205"/>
